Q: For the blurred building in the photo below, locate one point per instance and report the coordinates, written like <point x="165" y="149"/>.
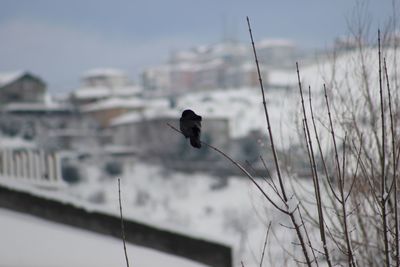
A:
<point x="276" y="53"/>
<point x="148" y="132"/>
<point x="29" y="112"/>
<point x="21" y="86"/>
<point x="104" y="111"/>
<point x="223" y="65"/>
<point x="100" y="84"/>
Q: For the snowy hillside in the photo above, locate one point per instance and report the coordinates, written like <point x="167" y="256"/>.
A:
<point x="342" y="74"/>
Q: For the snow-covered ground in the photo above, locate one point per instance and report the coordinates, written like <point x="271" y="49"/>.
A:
<point x="230" y="211"/>
<point x="27" y="241"/>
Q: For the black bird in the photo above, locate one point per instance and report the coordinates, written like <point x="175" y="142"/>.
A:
<point x="190" y="124"/>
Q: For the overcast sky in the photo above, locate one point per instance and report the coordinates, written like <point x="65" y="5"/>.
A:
<point x="59" y="40"/>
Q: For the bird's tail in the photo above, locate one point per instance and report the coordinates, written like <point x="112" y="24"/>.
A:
<point x="195" y="139"/>
<point x="195" y="142"/>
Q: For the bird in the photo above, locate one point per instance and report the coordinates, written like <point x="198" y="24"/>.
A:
<point x="190" y="125"/>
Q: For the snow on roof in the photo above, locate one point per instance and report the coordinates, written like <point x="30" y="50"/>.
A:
<point x="9" y="77"/>
<point x="148" y="114"/>
<point x="185" y="56"/>
<point x="233" y="105"/>
<point x="91" y="92"/>
<point x="47" y="105"/>
<point x="274" y="42"/>
<point x="103" y="72"/>
<point x="36" y="107"/>
<point x="199" y="53"/>
<point x="126" y="118"/>
<point x="160" y="106"/>
<point x="132" y="103"/>
<point x="207" y="109"/>
<point x="102" y="92"/>
<point x="193" y="67"/>
<point x="235" y="48"/>
<point x="184" y="67"/>
<point x="211" y="64"/>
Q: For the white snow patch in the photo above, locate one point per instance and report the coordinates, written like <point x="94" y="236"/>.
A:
<point x="30" y="241"/>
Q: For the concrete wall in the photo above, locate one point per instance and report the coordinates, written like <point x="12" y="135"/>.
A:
<point x="203" y="251"/>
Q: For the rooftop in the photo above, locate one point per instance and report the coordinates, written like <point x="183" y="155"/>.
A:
<point x="103" y="72"/>
<point x="103" y="92"/>
<point x="148" y="114"/>
<point x="275" y="42"/>
<point x="9" y="77"/>
<point x="115" y="102"/>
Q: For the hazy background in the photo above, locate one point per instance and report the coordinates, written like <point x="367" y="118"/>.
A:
<point x="58" y="40"/>
<point x="72" y="150"/>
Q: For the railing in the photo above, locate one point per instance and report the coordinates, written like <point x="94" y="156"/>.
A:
<point x="35" y="166"/>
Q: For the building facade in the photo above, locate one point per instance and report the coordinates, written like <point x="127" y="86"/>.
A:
<point x="21" y="87"/>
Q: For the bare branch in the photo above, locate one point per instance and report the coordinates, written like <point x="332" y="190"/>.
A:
<point x="122" y="223"/>
<point x="241" y="168"/>
<point x="394" y="179"/>
<point x="383" y="163"/>
<point x="265" y="244"/>
<point x="283" y="191"/>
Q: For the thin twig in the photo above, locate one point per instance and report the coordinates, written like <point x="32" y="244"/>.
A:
<point x="355" y="173"/>
<point x="122" y="223"/>
<point x="308" y="237"/>
<point x="271" y="182"/>
<point x="265" y="244"/>
<point x="332" y="133"/>
<point x="313" y="166"/>
<point x="394" y="181"/>
<point x="383" y="163"/>
<point x="266" y="180"/>
<point x="266" y="112"/>
<point x="350" y="255"/>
